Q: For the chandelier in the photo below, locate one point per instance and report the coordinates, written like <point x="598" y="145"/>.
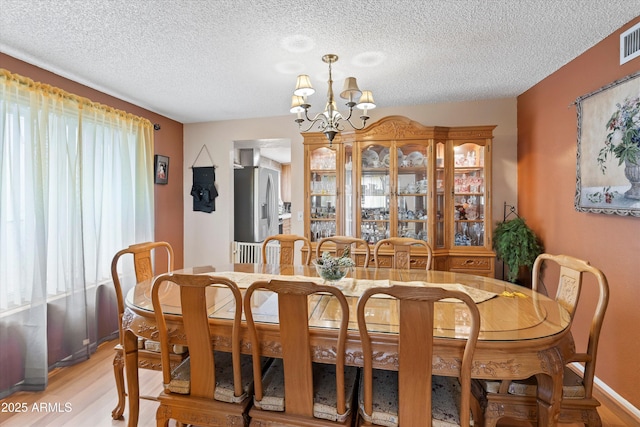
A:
<point x="330" y="121"/>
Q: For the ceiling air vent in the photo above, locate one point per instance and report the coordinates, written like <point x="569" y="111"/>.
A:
<point x="630" y="44"/>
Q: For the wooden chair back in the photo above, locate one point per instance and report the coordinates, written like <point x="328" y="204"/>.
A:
<point x="296" y="350"/>
<point x="341" y="243"/>
<point x="402" y="251"/>
<point x="570" y="282"/>
<point x="415" y="347"/>
<point x="287" y="248"/>
<point x="143" y="266"/>
<point x="196" y="328"/>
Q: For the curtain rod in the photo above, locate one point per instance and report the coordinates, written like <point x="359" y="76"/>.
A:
<point x="82" y="102"/>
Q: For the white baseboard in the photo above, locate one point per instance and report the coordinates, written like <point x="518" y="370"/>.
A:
<point x="622" y="407"/>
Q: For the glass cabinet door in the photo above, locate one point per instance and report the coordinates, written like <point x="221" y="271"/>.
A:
<point x="469" y="194"/>
<point x="440" y="178"/>
<point x="374" y="195"/>
<point x="323" y="193"/>
<point x="411" y="190"/>
<point x="349" y="193"/>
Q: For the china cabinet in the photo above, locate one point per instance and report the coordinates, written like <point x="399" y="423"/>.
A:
<point x="326" y="197"/>
<point x="400" y="178"/>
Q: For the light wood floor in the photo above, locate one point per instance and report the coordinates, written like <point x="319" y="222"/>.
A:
<point x="88" y="391"/>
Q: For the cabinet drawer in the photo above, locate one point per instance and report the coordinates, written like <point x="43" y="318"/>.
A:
<point x="419" y="262"/>
<point x="386" y="261"/>
<point x="383" y="261"/>
<point x="470" y="263"/>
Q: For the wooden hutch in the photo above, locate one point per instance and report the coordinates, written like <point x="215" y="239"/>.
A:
<point x="399" y="178"/>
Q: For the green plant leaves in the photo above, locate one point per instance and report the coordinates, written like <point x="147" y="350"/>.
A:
<point x="516" y="245"/>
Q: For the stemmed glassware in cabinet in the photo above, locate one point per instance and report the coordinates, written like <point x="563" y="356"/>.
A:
<point x="321" y="229"/>
<point x="476" y="234"/>
<point x="323" y="188"/>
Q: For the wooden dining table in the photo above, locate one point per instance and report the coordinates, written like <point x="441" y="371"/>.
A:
<point x="523" y="333"/>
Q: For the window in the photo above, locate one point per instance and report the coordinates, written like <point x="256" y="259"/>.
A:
<point x="69" y="180"/>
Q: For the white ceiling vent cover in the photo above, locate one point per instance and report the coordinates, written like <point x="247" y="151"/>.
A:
<point x="630" y="44"/>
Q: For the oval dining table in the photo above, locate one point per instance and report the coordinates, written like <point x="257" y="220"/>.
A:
<point x="523" y="333"/>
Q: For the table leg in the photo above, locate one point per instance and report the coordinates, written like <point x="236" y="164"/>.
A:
<point x="131" y="367"/>
<point x="550" y="390"/>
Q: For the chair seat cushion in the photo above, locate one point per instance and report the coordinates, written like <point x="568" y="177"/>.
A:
<point x="445" y="400"/>
<point x="224" y="392"/>
<point x="572" y="387"/>
<point x="324" y="390"/>
<point x="154" y="346"/>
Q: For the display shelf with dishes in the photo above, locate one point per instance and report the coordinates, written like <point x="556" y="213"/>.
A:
<point x="323" y="198"/>
<point x="434" y="188"/>
<point x="469" y="195"/>
<point x="394" y="196"/>
<point x="412" y="184"/>
<point x="374" y="198"/>
<point x="323" y="182"/>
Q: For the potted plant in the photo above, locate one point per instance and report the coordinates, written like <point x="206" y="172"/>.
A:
<point x="516" y="245"/>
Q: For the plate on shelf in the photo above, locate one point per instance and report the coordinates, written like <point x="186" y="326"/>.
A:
<point x="386" y="160"/>
<point x="369" y="158"/>
<point x="415" y="159"/>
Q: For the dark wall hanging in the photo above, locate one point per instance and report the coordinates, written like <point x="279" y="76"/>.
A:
<point x="203" y="190"/>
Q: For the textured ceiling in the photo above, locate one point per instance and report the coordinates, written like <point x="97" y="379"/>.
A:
<point x="206" y="60"/>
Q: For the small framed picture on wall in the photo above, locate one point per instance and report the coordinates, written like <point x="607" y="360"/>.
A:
<point x="161" y="169"/>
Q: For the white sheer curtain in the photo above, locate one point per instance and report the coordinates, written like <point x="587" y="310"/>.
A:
<point x="76" y="186"/>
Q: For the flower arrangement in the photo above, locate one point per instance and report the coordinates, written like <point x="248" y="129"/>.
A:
<point x="334" y="268"/>
<point x="623" y="139"/>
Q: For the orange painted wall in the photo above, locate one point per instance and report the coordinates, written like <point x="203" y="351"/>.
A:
<point x="547" y="148"/>
<point x="168" y="141"/>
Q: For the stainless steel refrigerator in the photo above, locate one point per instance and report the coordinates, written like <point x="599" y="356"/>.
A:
<point x="256" y="194"/>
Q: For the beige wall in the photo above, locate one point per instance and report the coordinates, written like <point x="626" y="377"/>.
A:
<point x="208" y="237"/>
<point x="547" y="135"/>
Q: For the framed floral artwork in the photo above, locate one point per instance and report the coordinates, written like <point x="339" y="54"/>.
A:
<point x="608" y="160"/>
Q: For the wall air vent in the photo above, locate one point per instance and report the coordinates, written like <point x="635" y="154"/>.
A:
<point x="630" y="44"/>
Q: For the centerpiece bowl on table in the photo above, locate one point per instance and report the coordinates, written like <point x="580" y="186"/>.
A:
<point x="331" y="268"/>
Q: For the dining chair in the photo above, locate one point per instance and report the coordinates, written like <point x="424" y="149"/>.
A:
<point x="208" y="388"/>
<point x="412" y="395"/>
<point x="295" y="391"/>
<point x="517" y="399"/>
<point x="148" y="353"/>
<point x="287" y="248"/>
<point x="401" y="251"/>
<point x="343" y="242"/>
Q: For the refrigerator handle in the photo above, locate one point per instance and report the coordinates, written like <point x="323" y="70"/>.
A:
<point x="269" y="203"/>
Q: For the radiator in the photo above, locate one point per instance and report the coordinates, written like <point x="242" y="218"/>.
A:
<point x="251" y="253"/>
